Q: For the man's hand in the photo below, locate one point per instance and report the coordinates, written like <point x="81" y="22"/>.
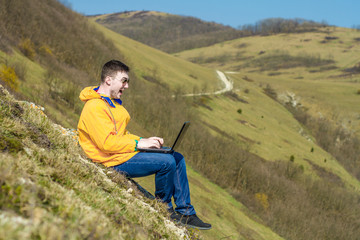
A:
<point x="152" y="142"/>
<point x="161" y="141"/>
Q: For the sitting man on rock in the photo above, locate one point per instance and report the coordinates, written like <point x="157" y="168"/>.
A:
<point x="104" y="139"/>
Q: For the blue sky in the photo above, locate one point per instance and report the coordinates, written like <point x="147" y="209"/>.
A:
<point x="343" y="13"/>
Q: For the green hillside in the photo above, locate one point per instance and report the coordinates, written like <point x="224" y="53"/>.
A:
<point x="319" y="67"/>
<point x="314" y="71"/>
<point x="167" y="32"/>
<point x="255" y="172"/>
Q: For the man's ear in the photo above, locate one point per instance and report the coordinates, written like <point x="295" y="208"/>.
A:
<point x="108" y="80"/>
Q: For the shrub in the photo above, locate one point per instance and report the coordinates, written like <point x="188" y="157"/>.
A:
<point x="268" y="90"/>
<point x="27" y="48"/>
<point x="281" y="25"/>
<point x="358" y="91"/>
<point x="45" y="50"/>
<point x="283" y="60"/>
<point x="262" y="198"/>
<point x="353" y="70"/>
<point x="19" y="68"/>
<point x="239" y="111"/>
<point x="8" y="75"/>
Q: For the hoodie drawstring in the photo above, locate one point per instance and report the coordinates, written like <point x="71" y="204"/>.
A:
<point x="111" y="116"/>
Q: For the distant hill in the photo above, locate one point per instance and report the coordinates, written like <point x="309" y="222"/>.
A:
<point x="167" y="32"/>
<point x="175" y="33"/>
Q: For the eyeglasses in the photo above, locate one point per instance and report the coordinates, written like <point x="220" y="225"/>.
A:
<point x="125" y="80"/>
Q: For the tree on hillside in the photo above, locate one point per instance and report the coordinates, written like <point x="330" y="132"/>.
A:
<point x="281" y="25"/>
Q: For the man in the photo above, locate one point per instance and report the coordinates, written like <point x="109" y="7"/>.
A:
<point x="104" y="138"/>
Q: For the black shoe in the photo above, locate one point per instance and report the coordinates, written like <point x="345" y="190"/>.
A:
<point x="194" y="221"/>
<point x="174" y="216"/>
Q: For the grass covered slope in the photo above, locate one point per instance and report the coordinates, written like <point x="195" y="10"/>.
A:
<point x="309" y="67"/>
<point x="268" y="129"/>
<point x="312" y="74"/>
<point x="35" y="84"/>
<point x="320" y="68"/>
<point x="50" y="190"/>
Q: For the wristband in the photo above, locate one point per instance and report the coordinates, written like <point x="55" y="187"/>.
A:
<point x="136" y="143"/>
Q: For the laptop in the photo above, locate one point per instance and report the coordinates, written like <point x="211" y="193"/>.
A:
<point x="168" y="149"/>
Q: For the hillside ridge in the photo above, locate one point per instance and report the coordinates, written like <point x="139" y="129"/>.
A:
<point x="167" y="32"/>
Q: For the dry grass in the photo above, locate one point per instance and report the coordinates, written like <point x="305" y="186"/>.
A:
<point x="9" y="77"/>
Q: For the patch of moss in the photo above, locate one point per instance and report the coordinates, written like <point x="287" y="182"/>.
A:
<point x="10" y="144"/>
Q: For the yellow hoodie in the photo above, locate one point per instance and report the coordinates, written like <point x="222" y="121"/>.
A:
<point x="104" y="139"/>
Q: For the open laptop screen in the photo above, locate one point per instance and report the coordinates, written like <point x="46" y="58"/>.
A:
<point x="176" y="143"/>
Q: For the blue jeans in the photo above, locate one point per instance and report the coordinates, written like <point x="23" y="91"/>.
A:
<point x="170" y="177"/>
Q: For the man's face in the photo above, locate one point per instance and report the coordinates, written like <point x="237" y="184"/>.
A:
<point x="118" y="83"/>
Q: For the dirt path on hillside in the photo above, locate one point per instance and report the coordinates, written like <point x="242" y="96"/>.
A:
<point x="228" y="86"/>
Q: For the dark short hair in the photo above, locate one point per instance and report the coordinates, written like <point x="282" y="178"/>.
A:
<point x="112" y="67"/>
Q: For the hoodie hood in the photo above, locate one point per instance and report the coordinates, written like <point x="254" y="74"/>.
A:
<point x="89" y="93"/>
